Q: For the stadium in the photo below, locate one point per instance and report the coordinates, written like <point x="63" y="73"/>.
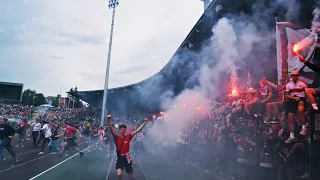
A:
<point x="246" y="132"/>
<point x="178" y="74"/>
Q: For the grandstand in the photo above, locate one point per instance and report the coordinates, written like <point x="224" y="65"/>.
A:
<point x="10" y="93"/>
<point x="178" y="73"/>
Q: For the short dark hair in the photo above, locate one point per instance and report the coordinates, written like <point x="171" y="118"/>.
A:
<point x="122" y="126"/>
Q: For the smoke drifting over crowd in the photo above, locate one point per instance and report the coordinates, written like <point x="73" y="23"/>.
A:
<point x="229" y="47"/>
<point x="235" y="41"/>
<point x="309" y="41"/>
<point x="316" y="16"/>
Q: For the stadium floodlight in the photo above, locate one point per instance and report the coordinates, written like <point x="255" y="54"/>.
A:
<point x="112" y="5"/>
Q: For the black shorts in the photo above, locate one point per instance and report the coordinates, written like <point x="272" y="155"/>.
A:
<point x="291" y="106"/>
<point x="122" y="163"/>
<point x="71" y="142"/>
<point x="258" y="108"/>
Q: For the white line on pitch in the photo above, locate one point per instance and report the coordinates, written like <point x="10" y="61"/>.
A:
<point x="56" y="165"/>
<point x="109" y="168"/>
<point x="27" y="152"/>
<point x="23" y="163"/>
<point x="208" y="172"/>
<point x="142" y="170"/>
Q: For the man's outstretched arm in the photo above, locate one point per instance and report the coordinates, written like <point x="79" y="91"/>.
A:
<point x="110" y="127"/>
<point x="140" y="128"/>
<point x="314" y="67"/>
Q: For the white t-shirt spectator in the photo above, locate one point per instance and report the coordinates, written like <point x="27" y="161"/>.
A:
<point x="36" y="127"/>
<point x="296" y="89"/>
<point x="47" y="131"/>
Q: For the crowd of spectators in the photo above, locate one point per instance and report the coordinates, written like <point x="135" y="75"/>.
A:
<point x="256" y="134"/>
<point x="259" y="133"/>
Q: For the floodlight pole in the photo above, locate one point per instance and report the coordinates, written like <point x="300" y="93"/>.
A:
<point x="206" y="4"/>
<point x="112" y="4"/>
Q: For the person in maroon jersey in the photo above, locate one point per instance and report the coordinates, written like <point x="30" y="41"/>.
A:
<point x="275" y="108"/>
<point x="122" y="143"/>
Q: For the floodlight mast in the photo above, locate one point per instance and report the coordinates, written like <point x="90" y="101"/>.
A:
<point x="112" y="5"/>
<point x="206" y="4"/>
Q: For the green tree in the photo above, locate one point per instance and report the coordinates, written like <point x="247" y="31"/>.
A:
<point x="55" y="102"/>
<point x="39" y="99"/>
<point x="28" y="97"/>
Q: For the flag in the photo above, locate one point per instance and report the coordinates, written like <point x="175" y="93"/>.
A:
<point x="288" y="34"/>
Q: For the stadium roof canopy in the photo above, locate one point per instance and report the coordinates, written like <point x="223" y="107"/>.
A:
<point x="177" y="74"/>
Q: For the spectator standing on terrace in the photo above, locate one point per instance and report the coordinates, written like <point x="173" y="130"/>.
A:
<point x="264" y="94"/>
<point x="6" y="134"/>
<point x="122" y="142"/>
<point x="36" y="126"/>
<point x="277" y="106"/>
<point x="22" y="131"/>
<point x="294" y="92"/>
<point x="237" y="111"/>
<point x="256" y="104"/>
<point x="312" y="92"/>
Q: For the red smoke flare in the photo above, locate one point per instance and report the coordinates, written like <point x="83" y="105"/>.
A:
<point x="234" y="91"/>
<point x="296" y="48"/>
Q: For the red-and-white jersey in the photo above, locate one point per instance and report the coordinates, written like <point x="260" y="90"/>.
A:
<point x="296" y="89"/>
<point x="102" y="134"/>
<point x="281" y="89"/>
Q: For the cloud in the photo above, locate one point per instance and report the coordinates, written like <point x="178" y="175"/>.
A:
<point x="48" y="44"/>
<point x="56" y="57"/>
<point x="131" y="70"/>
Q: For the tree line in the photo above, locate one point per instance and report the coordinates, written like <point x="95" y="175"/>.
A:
<point x="32" y="97"/>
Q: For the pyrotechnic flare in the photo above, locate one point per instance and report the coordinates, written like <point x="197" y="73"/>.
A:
<point x="296" y="48"/>
<point x="234" y="91"/>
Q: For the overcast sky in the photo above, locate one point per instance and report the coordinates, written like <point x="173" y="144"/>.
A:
<point x="46" y="44"/>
